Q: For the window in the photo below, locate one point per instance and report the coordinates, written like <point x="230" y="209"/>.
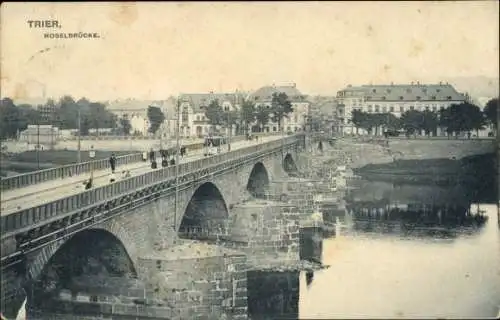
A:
<point x="412" y="108"/>
<point x="402" y="109"/>
<point x="438" y="90"/>
<point x="388" y="90"/>
<point x="418" y="97"/>
<point x="427" y="107"/>
<point x="274" y="129"/>
<point x="401" y="98"/>
<point x="391" y="109"/>
<point x="384" y="109"/>
<point x="408" y="90"/>
<point x="383" y="98"/>
<point x="370" y="108"/>
<point x="369" y="98"/>
<point x="449" y="97"/>
<point x="377" y="108"/>
<point x="433" y="97"/>
<point x="434" y="108"/>
<point x="374" y="90"/>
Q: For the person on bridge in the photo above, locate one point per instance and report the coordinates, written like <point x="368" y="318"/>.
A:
<point x="183" y="151"/>
<point x="112" y="162"/>
<point x="112" y="178"/>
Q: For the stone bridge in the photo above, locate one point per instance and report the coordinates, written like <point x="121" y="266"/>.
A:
<point x="109" y="229"/>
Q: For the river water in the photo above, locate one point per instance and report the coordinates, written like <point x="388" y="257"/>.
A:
<point x="441" y="260"/>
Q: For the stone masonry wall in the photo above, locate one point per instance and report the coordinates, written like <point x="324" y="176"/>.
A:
<point x="198" y="285"/>
<point x="263" y="229"/>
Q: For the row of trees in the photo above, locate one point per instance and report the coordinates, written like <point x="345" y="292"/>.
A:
<point x="64" y="114"/>
<point x="456" y="119"/>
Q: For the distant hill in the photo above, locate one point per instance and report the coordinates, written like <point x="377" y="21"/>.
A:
<point x="477" y="87"/>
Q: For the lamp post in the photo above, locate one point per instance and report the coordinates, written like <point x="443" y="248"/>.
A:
<point x="177" y="159"/>
<point x="79" y="156"/>
<point x="92" y="157"/>
<point x="38" y="143"/>
<point x="230" y="126"/>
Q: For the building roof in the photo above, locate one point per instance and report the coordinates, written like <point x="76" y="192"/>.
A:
<point x="407" y="92"/>
<point x="140" y="107"/>
<point x="265" y="94"/>
<point x="31" y="101"/>
<point x="199" y="100"/>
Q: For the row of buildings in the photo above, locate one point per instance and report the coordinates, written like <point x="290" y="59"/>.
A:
<point x="334" y="112"/>
<point x="192" y="108"/>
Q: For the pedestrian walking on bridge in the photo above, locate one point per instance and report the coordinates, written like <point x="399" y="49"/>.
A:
<point x="112" y="162"/>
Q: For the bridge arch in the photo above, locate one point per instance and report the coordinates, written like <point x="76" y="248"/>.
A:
<point x="89" y="253"/>
<point x="206" y="213"/>
<point x="289" y="165"/>
<point x="258" y="181"/>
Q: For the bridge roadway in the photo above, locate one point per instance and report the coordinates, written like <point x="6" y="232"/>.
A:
<point x="41" y="193"/>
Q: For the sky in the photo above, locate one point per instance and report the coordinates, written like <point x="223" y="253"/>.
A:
<point x="154" y="50"/>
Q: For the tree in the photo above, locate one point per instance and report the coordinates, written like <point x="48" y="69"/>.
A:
<point x="444" y="121"/>
<point x="280" y="108"/>
<point x="83" y="105"/>
<point x="68" y="111"/>
<point x="231" y="118"/>
<point x="430" y="122"/>
<point x="98" y="115"/>
<point x="9" y="118"/>
<point x="491" y="112"/>
<point x="412" y="121"/>
<point x="156" y="118"/>
<point x="358" y="119"/>
<point x="247" y="114"/>
<point x="392" y="122"/>
<point x="262" y="116"/>
<point x="214" y="114"/>
<point x="125" y="124"/>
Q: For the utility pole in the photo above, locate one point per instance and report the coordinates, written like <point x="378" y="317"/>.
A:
<point x="38" y="143"/>
<point x="79" y="159"/>
<point x="177" y="159"/>
<point x="230" y="125"/>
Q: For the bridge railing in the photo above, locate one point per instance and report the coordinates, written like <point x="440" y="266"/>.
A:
<point x="31" y="216"/>
<point x="61" y="172"/>
<point x="30" y="178"/>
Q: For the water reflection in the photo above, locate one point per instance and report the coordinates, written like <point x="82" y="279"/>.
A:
<point x="418" y="220"/>
<point x="273" y="295"/>
<point x="449" y="268"/>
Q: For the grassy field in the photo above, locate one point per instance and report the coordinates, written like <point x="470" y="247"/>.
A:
<point x="61" y="157"/>
<point x="27" y="161"/>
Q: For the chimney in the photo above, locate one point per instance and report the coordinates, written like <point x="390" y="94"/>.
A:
<point x="418" y="83"/>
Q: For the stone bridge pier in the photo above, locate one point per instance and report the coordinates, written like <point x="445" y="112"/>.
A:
<point x="145" y="260"/>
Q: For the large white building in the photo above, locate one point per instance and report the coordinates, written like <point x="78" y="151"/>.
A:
<point x="297" y="119"/>
<point x="395" y="99"/>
